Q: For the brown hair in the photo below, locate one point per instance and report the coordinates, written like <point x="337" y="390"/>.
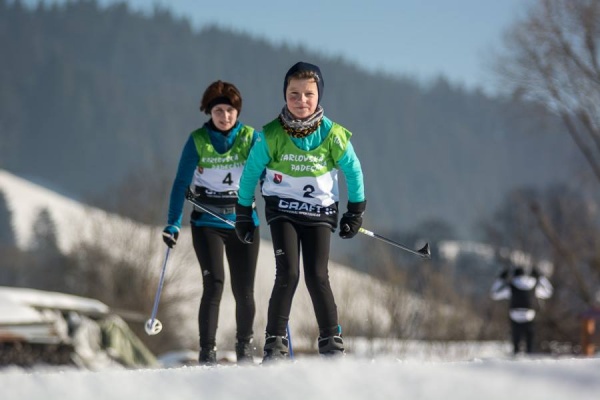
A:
<point x="303" y="75"/>
<point x="304" y="70"/>
<point x="220" y="92"/>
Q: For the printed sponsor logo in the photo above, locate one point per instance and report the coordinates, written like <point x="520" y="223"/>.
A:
<point x="309" y="168"/>
<point x="305" y="162"/>
<point x="302" y="208"/>
<point x="220" y="160"/>
<point x="303" y="158"/>
<point x="278" y="178"/>
<point x="204" y="192"/>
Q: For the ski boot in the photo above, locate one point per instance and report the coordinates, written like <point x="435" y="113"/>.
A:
<point x="244" y="351"/>
<point x="276" y="348"/>
<point x="208" y="356"/>
<point x="331" y="345"/>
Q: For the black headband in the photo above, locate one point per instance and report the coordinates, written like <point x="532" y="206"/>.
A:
<point x="218" y="100"/>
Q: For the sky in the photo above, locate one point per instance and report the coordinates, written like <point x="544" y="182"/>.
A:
<point x="418" y="39"/>
<point x="347" y="379"/>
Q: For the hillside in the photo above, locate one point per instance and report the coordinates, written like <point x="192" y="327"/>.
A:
<point x="92" y="95"/>
<point x="363" y="302"/>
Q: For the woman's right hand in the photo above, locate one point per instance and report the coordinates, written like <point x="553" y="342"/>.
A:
<point x="244" y="223"/>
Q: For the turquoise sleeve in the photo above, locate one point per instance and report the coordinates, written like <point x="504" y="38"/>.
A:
<point x="253" y="170"/>
<point x="185" y="173"/>
<point x="350" y="166"/>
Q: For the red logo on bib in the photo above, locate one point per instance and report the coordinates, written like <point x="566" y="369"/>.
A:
<point x="277" y="178"/>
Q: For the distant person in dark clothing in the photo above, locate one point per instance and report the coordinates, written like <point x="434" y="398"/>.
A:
<point x="521" y="290"/>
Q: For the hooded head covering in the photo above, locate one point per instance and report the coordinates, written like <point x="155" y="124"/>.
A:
<point x="301" y="67"/>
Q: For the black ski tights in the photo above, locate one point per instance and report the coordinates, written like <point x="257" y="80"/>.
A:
<point x="520" y="331"/>
<point x="209" y="244"/>
<point x="289" y="239"/>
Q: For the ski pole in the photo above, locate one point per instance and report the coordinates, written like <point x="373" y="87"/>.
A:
<point x="190" y="197"/>
<point x="422" y="252"/>
<point x="153" y="326"/>
<point x="290" y="347"/>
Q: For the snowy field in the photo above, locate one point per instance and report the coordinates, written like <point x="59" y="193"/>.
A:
<point x="310" y="378"/>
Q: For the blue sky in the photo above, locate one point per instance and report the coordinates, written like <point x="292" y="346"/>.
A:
<point x="416" y="38"/>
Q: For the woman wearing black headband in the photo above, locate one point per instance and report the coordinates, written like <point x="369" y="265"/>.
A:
<point x="211" y="164"/>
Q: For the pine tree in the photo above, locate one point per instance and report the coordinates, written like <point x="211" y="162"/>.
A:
<point x="45" y="241"/>
<point x="46" y="267"/>
<point x="7" y="237"/>
<point x="10" y="255"/>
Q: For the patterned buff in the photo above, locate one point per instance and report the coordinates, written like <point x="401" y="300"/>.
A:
<point x="300" y="128"/>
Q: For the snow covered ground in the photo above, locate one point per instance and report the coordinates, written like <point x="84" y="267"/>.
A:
<point x="311" y="378"/>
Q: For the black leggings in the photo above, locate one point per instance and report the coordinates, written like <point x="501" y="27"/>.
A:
<point x="520" y="331"/>
<point x="209" y="244"/>
<point x="288" y="240"/>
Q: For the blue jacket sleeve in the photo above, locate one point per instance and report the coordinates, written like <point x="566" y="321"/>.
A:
<point x="183" y="179"/>
<point x="350" y="166"/>
<point x="253" y="170"/>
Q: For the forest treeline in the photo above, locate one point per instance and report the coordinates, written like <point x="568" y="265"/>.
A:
<point x="93" y="96"/>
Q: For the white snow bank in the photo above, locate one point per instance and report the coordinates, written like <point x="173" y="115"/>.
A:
<point x="347" y="379"/>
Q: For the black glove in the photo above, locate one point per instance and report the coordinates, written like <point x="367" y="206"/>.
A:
<point x="189" y="194"/>
<point x="244" y="223"/>
<point x="352" y="219"/>
<point x="535" y="273"/>
<point x="503" y="275"/>
<point x="170" y="235"/>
